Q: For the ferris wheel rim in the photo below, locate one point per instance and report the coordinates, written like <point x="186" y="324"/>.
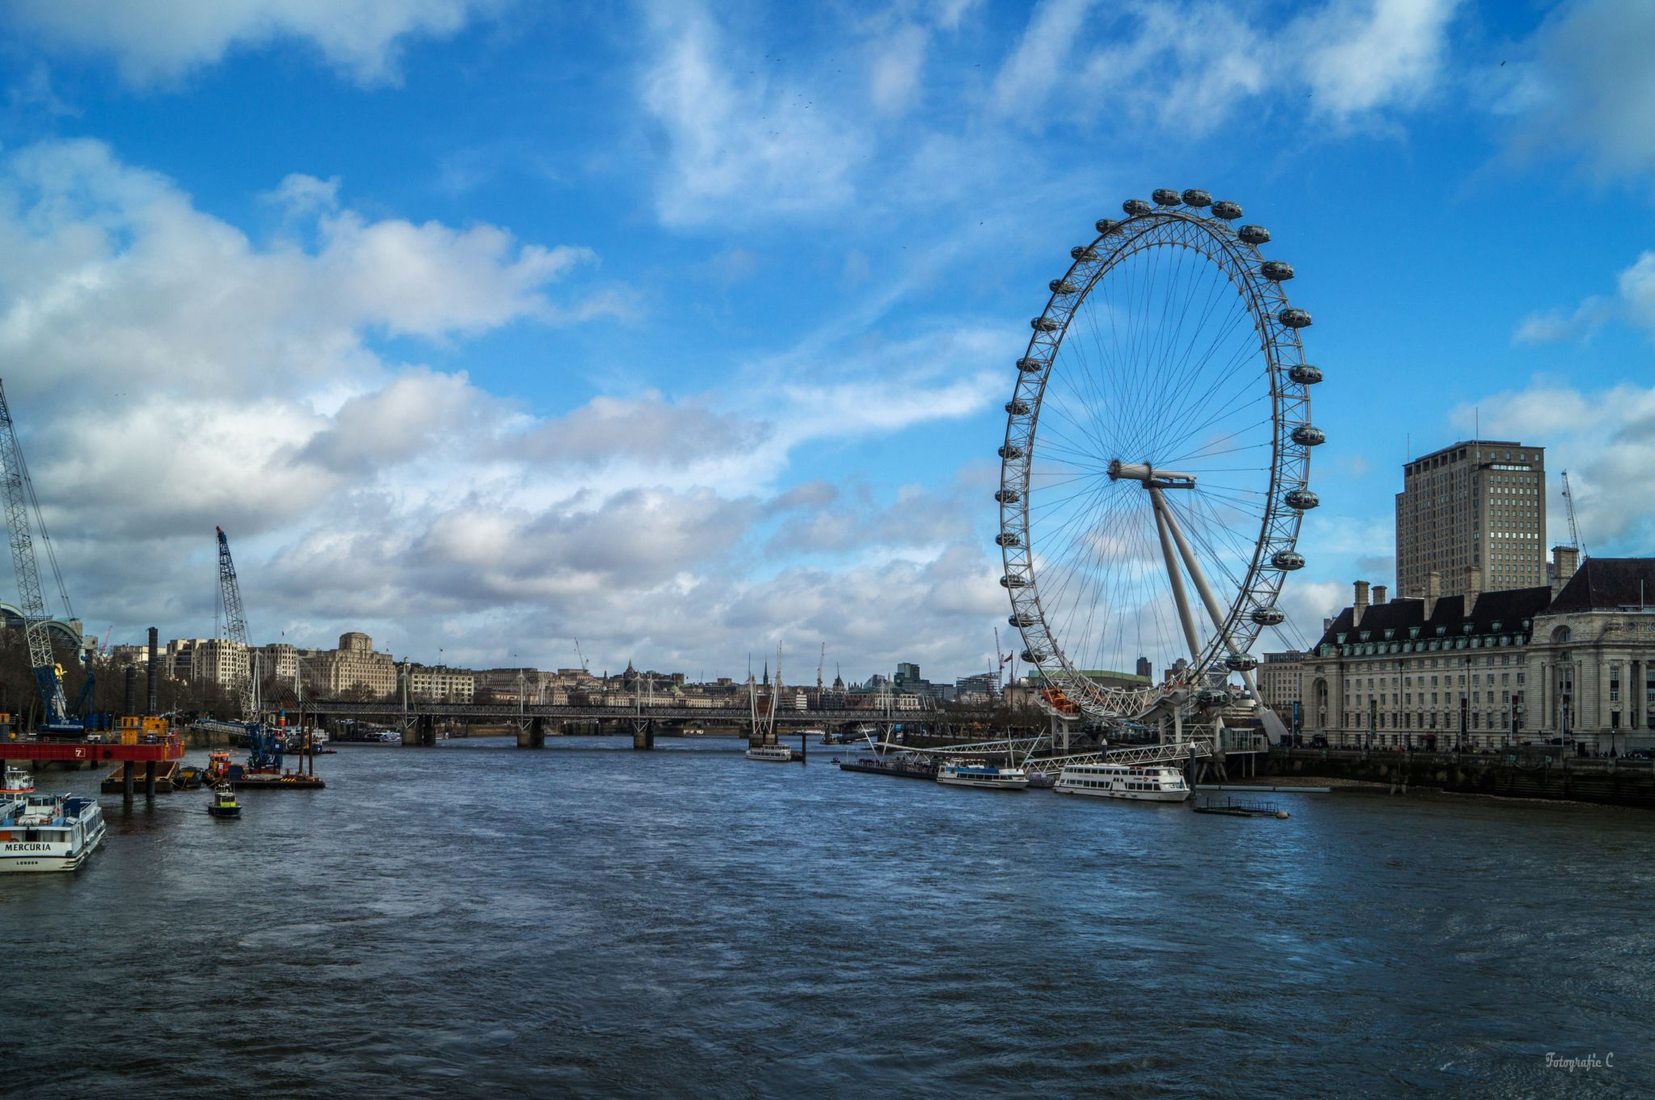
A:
<point x="1251" y="608"/>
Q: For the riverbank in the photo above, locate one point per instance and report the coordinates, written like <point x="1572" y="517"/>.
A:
<point x="1534" y="775"/>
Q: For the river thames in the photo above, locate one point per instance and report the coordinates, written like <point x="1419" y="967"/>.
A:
<point x="589" y="920"/>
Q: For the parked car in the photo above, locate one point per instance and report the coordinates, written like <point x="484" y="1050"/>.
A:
<point x="1638" y="754"/>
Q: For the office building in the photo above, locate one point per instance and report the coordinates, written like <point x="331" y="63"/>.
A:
<point x="1474" y="514"/>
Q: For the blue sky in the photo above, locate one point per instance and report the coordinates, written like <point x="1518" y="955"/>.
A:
<point x="685" y="329"/>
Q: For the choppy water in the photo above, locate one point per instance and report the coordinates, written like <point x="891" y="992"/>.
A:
<point x="589" y="920"/>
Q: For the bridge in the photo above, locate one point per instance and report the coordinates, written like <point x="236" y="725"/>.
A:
<point x="418" y="720"/>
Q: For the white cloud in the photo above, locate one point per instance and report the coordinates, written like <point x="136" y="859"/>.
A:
<point x="162" y="40"/>
<point x="738" y="149"/>
<point x="1633" y="302"/>
<point x="1363" y="55"/>
<point x="1586" y="86"/>
<point x="1036" y="66"/>
<point x="896" y="68"/>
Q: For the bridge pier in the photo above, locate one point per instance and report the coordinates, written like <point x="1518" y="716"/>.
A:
<point x="643" y="734"/>
<point x="126" y="782"/>
<point x="532" y="736"/>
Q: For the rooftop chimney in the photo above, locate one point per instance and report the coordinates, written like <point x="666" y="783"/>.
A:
<point x="1565" y="560"/>
<point x="1379" y="594"/>
<point x="1360" y="606"/>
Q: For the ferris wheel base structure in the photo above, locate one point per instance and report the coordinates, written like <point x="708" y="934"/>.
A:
<point x="1155" y="466"/>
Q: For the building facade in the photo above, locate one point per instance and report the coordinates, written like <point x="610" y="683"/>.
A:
<point x="1474" y="514"/>
<point x="1572" y="663"/>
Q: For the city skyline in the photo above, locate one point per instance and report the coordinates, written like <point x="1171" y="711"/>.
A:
<point x="482" y="328"/>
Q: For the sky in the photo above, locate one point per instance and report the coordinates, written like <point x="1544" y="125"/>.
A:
<point x="682" y="332"/>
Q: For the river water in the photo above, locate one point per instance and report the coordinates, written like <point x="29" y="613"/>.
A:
<point x="589" y="920"/>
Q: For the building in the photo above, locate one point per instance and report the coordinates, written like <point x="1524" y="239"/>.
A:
<point x="441" y="684"/>
<point x="1591" y="662"/>
<point x="1572" y="662"/>
<point x="352" y="668"/>
<point x="1278" y="678"/>
<point x="1475" y="515"/>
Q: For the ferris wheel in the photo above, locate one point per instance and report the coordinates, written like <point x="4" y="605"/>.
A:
<point x="1156" y="458"/>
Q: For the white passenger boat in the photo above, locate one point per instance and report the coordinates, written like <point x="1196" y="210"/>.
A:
<point x="17" y="784"/>
<point x="979" y="773"/>
<point x="775" y="754"/>
<point x="49" y="832"/>
<point x="1146" y="783"/>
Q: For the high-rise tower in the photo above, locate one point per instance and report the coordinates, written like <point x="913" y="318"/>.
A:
<point x="1474" y="514"/>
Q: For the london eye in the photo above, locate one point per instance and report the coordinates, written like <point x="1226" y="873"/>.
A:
<point x="1155" y="466"/>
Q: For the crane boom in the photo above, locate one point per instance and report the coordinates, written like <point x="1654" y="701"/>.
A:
<point x="235" y="622"/>
<point x="19" y="494"/>
<point x="1569" y="506"/>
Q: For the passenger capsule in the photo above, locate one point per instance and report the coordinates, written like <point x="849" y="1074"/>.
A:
<point x="1008" y="538"/>
<point x="1007" y="496"/>
<point x="1287" y="559"/>
<point x="1294" y="318"/>
<point x="1305" y="374"/>
<point x="1017" y="408"/>
<point x="1241" y="662"/>
<point x="1045" y="324"/>
<point x="1305" y="435"/>
<point x="1269" y="616"/>
<point x="1012" y="580"/>
<point x="1254" y="234"/>
<point x="1022" y="620"/>
<point x="1033" y="657"/>
<point x="1011" y="451"/>
<point x="1083" y="252"/>
<point x="1165" y="196"/>
<point x="1276" y="271"/>
<point x="1136" y="207"/>
<point x="1194" y="196"/>
<point x="1063" y="286"/>
<point x="1302" y="500"/>
<point x="1030" y="366"/>
<point x="1106" y="226"/>
<point x="1229" y="211"/>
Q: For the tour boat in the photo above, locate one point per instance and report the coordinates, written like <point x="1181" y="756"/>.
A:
<point x="18" y="783"/>
<point x="775" y="754"/>
<point x="979" y="773"/>
<point x="49" y="832"/>
<point x="224" y="802"/>
<point x="1146" y="783"/>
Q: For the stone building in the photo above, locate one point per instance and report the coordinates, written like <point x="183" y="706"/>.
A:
<point x="1479" y="505"/>
<point x="1492" y="669"/>
<point x="441" y="684"/>
<point x="354" y="666"/>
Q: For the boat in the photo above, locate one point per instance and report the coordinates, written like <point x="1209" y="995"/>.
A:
<point x="775" y="754"/>
<point x="224" y="802"/>
<point x="980" y="773"/>
<point x="1139" y="783"/>
<point x="49" y="832"/>
<point x="18" y="783"/>
<point x="904" y="765"/>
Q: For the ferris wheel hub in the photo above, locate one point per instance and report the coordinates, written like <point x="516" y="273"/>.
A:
<point x="1149" y="475"/>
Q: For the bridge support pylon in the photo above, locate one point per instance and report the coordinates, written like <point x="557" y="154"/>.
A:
<point x="643" y="734"/>
<point x="533" y="735"/>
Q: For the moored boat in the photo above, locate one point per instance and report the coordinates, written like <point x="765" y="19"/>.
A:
<point x="774" y="754"/>
<point x="49" y="832"/>
<point x="1145" y="783"/>
<point x="906" y="765"/>
<point x="980" y="773"/>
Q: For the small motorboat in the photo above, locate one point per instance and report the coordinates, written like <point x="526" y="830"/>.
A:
<point x="224" y="802"/>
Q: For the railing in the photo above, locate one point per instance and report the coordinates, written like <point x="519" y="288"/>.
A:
<point x="1133" y="756"/>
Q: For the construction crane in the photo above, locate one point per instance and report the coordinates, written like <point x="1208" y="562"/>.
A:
<point x="581" y="655"/>
<point x="820" y="661"/>
<point x="20" y="501"/>
<point x="235" y="622"/>
<point x="1569" y="506"/>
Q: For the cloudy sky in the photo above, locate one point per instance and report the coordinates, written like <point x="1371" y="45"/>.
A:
<point x="685" y="330"/>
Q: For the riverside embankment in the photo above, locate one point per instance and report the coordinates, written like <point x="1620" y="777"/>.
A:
<point x="1521" y="774"/>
